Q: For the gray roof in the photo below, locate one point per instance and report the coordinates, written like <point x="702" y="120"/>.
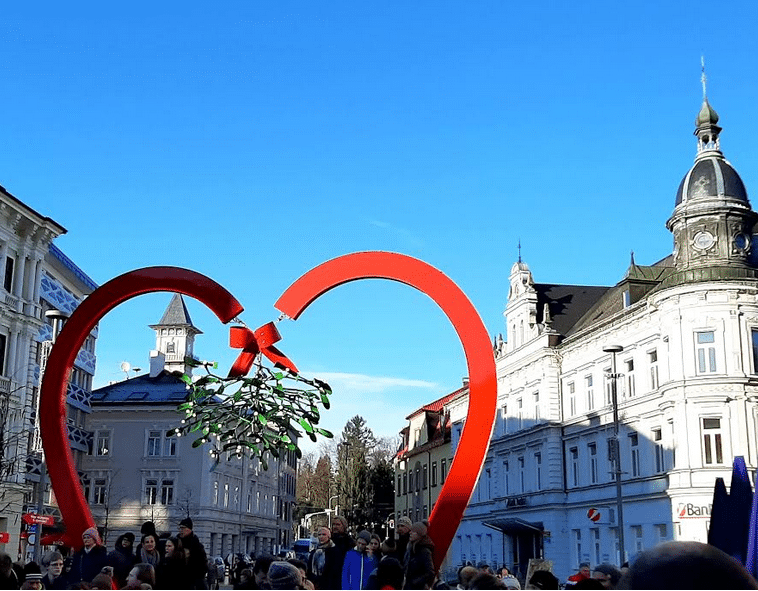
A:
<point x="176" y="314"/>
<point x="711" y="176"/>
<point x="567" y="303"/>
<point x="165" y="388"/>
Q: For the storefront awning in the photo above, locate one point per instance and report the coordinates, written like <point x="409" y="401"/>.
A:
<point x="514" y="525"/>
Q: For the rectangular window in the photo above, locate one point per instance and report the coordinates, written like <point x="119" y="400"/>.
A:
<point x="405" y="483"/>
<point x="536" y="398"/>
<point x="653" y="359"/>
<point x="576" y="534"/>
<point x="712" y="445"/>
<point x="661" y="532"/>
<point x="754" y="335"/>
<point x="538" y="470"/>
<point x="167" y="491"/>
<point x="629" y="381"/>
<point x="86" y="487"/>
<point x="434" y="473"/>
<point x="8" y="279"/>
<point x="443" y="466"/>
<point x="100" y="491"/>
<point x="521" y="474"/>
<point x="504" y="418"/>
<point x="638" y="542"/>
<point x="659" y="458"/>
<point x="506" y="488"/>
<point x="572" y="398"/>
<point x="706" y="352"/>
<point x="488" y="484"/>
<point x="426" y="474"/>
<point x="151" y="491"/>
<point x="226" y="495"/>
<point x="153" y="443"/>
<point x="595" y="535"/>
<point x="169" y="446"/>
<point x="634" y="443"/>
<point x="574" y="455"/>
<point x="418" y="480"/>
<point x="3" y="341"/>
<point x="520" y="416"/>
<point x="592" y="449"/>
<point x="399" y="485"/>
<point x="102" y="443"/>
<point x="590" y="393"/>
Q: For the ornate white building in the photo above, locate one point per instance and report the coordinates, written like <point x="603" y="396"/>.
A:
<point x="688" y="391"/>
<point x="36" y="277"/>
<point x="137" y="471"/>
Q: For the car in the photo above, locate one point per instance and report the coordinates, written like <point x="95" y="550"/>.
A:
<point x="302" y="548"/>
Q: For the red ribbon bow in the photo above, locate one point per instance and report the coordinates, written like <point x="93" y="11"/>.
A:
<point x="252" y="343"/>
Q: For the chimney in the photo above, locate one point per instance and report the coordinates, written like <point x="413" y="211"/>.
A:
<point x="157" y="363"/>
<point x="465" y="381"/>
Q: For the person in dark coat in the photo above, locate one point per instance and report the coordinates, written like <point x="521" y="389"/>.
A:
<point x="342" y="540"/>
<point x="419" y="559"/>
<point x="198" y="559"/>
<point x="90" y="559"/>
<point x="323" y="561"/>
<point x="55" y="578"/>
<point x="9" y="579"/>
<point x="173" y="571"/>
<point x="403" y="531"/>
<point x="122" y="558"/>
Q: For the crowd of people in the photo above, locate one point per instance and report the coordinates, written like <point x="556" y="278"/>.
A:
<point x="158" y="562"/>
<point x="339" y="561"/>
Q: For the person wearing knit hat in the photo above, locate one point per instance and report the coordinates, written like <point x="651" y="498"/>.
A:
<point x="90" y="559"/>
<point x="419" y="566"/>
<point x="283" y="575"/>
<point x="403" y="530"/>
<point x="359" y="564"/>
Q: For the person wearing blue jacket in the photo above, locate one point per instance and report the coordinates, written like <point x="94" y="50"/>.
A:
<point x="359" y="564"/>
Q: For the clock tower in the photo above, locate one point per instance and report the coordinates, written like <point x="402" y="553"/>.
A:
<point x="712" y="221"/>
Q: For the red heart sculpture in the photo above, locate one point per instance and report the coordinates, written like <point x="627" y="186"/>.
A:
<point x="475" y="439"/>
<point x="60" y="464"/>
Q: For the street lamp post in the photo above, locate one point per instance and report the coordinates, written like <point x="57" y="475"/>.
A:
<point x="330" y="508"/>
<point x="613" y="349"/>
<point x="56" y="318"/>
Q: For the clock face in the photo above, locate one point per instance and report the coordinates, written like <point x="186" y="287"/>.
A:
<point x="741" y="241"/>
<point x="704" y="240"/>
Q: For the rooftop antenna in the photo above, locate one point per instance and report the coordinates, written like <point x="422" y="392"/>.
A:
<point x="702" y="75"/>
<point x="519" y="250"/>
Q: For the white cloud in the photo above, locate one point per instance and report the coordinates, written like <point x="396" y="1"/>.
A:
<point x="360" y="383"/>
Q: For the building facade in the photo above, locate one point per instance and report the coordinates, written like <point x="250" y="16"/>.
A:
<point x="422" y="463"/>
<point x="137" y="471"/>
<point x="687" y="383"/>
<point x="37" y="277"/>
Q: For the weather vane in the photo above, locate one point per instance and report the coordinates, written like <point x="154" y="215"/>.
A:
<point x="702" y="75"/>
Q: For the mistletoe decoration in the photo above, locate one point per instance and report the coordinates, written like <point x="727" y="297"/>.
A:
<point x="253" y="414"/>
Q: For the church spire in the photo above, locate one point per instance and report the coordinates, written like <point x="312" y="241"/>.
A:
<point x="706" y="130"/>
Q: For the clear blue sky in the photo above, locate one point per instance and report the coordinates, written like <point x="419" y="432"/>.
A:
<point x="252" y="141"/>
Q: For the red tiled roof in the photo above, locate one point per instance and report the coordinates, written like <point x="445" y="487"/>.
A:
<point x="437" y="405"/>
